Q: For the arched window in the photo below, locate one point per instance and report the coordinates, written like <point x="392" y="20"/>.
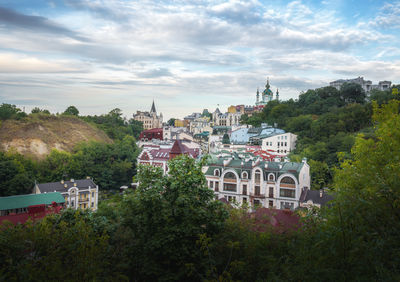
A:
<point x="257" y="177"/>
<point x="271" y="177"/>
<point x="287" y="180"/>
<point x="230" y="182"/>
<point x="216" y="172"/>
<point x="230" y="175"/>
<point x="245" y="175"/>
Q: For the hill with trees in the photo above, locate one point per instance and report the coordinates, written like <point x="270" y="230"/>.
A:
<point x="44" y="147"/>
<point x="326" y="121"/>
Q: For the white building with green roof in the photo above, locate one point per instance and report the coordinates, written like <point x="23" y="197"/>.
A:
<point x="256" y="182"/>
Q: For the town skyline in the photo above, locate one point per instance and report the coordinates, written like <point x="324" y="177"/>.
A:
<point x="99" y="56"/>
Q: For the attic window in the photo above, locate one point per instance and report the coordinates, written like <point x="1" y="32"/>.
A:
<point x="216" y="172"/>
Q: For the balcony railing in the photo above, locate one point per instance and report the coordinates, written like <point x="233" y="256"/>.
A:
<point x="256" y="195"/>
<point x="288" y="185"/>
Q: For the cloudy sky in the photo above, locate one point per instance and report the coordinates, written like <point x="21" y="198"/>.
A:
<point x="187" y="55"/>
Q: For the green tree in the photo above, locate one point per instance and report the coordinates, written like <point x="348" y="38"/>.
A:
<point x="56" y="248"/>
<point x="361" y="229"/>
<point x="37" y="110"/>
<point x="171" y="122"/>
<point x="71" y="110"/>
<point x="225" y="139"/>
<point x="8" y="111"/>
<point x="165" y="217"/>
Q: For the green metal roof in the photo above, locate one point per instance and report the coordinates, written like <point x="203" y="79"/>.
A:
<point x="23" y="201"/>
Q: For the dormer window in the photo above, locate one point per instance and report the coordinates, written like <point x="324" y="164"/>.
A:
<point x="216" y="172"/>
<point x="245" y="175"/>
<point x="271" y="177"/>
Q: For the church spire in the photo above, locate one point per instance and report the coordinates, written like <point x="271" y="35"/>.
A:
<point x="267" y="85"/>
<point x="277" y="94"/>
<point x="153" y="108"/>
<point x="258" y="95"/>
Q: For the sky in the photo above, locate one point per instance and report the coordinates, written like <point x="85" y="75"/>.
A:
<point x="187" y="55"/>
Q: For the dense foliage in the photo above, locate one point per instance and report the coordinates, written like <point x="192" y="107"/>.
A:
<point x="115" y="125"/>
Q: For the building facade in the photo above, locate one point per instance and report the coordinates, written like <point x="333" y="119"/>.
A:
<point x="81" y="193"/>
<point x="226" y="119"/>
<point x="258" y="183"/>
<point x="365" y="84"/>
<point x="281" y="144"/>
<point x="150" y="119"/>
<point x="20" y="208"/>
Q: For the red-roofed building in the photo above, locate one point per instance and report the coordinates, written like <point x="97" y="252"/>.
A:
<point x="150" y="134"/>
<point x="280" y="220"/>
<point x="157" y="155"/>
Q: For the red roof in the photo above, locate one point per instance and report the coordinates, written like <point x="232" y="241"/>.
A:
<point x="164" y="154"/>
<point x="280" y="220"/>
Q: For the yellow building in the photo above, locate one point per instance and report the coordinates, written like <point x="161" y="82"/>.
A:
<point x="81" y="193"/>
<point x="232" y="109"/>
<point x="180" y="123"/>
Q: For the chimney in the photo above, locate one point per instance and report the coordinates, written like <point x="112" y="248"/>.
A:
<point x="72" y="180"/>
<point x="74" y="184"/>
<point x="65" y="185"/>
<point x="321" y="193"/>
<point x="87" y="177"/>
<point x="62" y="181"/>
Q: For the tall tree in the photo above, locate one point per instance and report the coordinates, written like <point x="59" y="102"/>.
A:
<point x="71" y="110"/>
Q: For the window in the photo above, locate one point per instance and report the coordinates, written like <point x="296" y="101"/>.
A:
<point x="245" y="175"/>
<point x="92" y="204"/>
<point x="244" y="189"/>
<point x="271" y="192"/>
<point x="244" y="200"/>
<point x="72" y="203"/>
<point x="257" y="190"/>
<point x="257" y="177"/>
<point x="287" y="180"/>
<point x="216" y="172"/>
<point x="287" y="193"/>
<point x="92" y="194"/>
<point x="256" y="203"/>
<point x="285" y="137"/>
<point x="211" y="184"/>
<point x="287" y="206"/>
<point x="271" y="177"/>
<point x="285" y="143"/>
<point x="271" y="204"/>
<point x="216" y="186"/>
<point x="230" y="187"/>
<point x="230" y="175"/>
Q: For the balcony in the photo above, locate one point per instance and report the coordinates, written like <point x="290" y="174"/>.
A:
<point x="256" y="195"/>
<point x="284" y="185"/>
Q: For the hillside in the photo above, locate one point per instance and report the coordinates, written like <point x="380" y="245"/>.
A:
<point x="36" y="135"/>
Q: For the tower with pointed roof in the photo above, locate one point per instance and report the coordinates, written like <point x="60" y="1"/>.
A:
<point x="153" y="108"/>
<point x="150" y="119"/>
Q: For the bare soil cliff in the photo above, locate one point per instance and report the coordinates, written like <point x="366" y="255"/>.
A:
<point x="36" y="135"/>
